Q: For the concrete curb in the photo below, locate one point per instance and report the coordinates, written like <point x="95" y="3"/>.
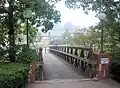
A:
<point x="64" y="81"/>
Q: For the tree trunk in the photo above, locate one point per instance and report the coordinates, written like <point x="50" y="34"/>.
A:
<point x="11" y="33"/>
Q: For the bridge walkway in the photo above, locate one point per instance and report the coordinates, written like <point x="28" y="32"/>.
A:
<point x="59" y="74"/>
<point x="56" y="68"/>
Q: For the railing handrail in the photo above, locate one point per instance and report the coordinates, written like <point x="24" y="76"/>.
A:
<point x="75" y="47"/>
<point x="78" y="57"/>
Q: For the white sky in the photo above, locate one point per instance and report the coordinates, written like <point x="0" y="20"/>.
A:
<point x="75" y="17"/>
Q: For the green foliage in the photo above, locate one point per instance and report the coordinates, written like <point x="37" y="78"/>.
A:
<point x="66" y="37"/>
<point x="45" y="14"/>
<point x="111" y="26"/>
<point x="3" y="55"/>
<point x="13" y="75"/>
<point x="27" y="56"/>
<point x="115" y="69"/>
<point x="37" y="70"/>
<point x="87" y="37"/>
<point x="11" y="24"/>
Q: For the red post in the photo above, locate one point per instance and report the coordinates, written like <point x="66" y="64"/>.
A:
<point x="31" y="75"/>
<point x="103" y="64"/>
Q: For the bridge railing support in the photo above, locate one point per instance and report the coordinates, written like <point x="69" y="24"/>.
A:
<point x="40" y="64"/>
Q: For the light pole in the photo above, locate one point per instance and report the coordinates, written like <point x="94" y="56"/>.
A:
<point x="102" y="17"/>
<point x="27" y="14"/>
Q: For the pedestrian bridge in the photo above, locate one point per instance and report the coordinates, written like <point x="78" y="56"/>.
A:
<point x="71" y="67"/>
<point x="63" y="61"/>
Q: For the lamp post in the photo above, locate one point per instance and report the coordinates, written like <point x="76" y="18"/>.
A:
<point x="27" y="14"/>
<point x="102" y="17"/>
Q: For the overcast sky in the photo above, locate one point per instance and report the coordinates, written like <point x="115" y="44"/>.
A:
<point x="70" y="18"/>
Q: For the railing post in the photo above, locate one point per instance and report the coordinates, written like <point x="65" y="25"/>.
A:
<point x="82" y="53"/>
<point x="76" y="53"/>
<point x="62" y="55"/>
<point x="78" y="62"/>
<point x="67" y="52"/>
<point x="40" y="55"/>
<point x="41" y="64"/>
<point x="58" y="52"/>
<point x="90" y="55"/>
<point x="82" y="62"/>
<point x="71" y="52"/>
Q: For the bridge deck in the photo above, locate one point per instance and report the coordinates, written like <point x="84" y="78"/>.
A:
<point x="54" y="68"/>
<point x="75" y="84"/>
<point x="59" y="74"/>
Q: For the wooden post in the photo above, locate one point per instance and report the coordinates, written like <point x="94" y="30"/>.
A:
<point x="41" y="63"/>
<point x="82" y="53"/>
<point x="64" y="54"/>
<point x="90" y="55"/>
<point x="40" y="55"/>
<point x="62" y="51"/>
<point x="40" y="72"/>
<point x="67" y="52"/>
<point x="76" y="58"/>
<point x="72" y="54"/>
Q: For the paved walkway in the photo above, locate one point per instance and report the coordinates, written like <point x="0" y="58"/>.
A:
<point x="59" y="74"/>
<point x="54" y="68"/>
<point x="72" y="84"/>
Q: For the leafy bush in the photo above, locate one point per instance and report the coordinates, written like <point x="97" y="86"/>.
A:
<point x="13" y="75"/>
<point x="27" y="56"/>
<point x="115" y="69"/>
<point x="37" y="71"/>
<point x="4" y="52"/>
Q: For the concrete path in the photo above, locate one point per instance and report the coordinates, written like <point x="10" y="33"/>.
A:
<point x="54" y="68"/>
<point x="59" y="74"/>
<point x="71" y="84"/>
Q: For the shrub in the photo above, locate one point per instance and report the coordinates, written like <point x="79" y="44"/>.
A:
<point x="115" y="69"/>
<point x="27" y="56"/>
<point x="37" y="70"/>
<point x="13" y="75"/>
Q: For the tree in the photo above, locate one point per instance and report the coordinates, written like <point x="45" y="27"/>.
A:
<point x="66" y="37"/>
<point x="111" y="26"/>
<point x="44" y="15"/>
<point x="89" y="38"/>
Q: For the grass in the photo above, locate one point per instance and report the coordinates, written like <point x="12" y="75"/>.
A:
<point x="12" y="67"/>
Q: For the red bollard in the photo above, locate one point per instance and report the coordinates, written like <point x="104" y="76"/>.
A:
<point x="31" y="74"/>
<point x="103" y="64"/>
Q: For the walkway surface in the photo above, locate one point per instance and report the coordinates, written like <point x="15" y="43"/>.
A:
<point x="74" y="84"/>
<point x="55" y="68"/>
<point x="59" y="74"/>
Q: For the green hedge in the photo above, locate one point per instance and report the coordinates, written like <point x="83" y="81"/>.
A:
<point x="115" y="69"/>
<point x="13" y="75"/>
<point x="36" y="72"/>
<point x="27" y="56"/>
